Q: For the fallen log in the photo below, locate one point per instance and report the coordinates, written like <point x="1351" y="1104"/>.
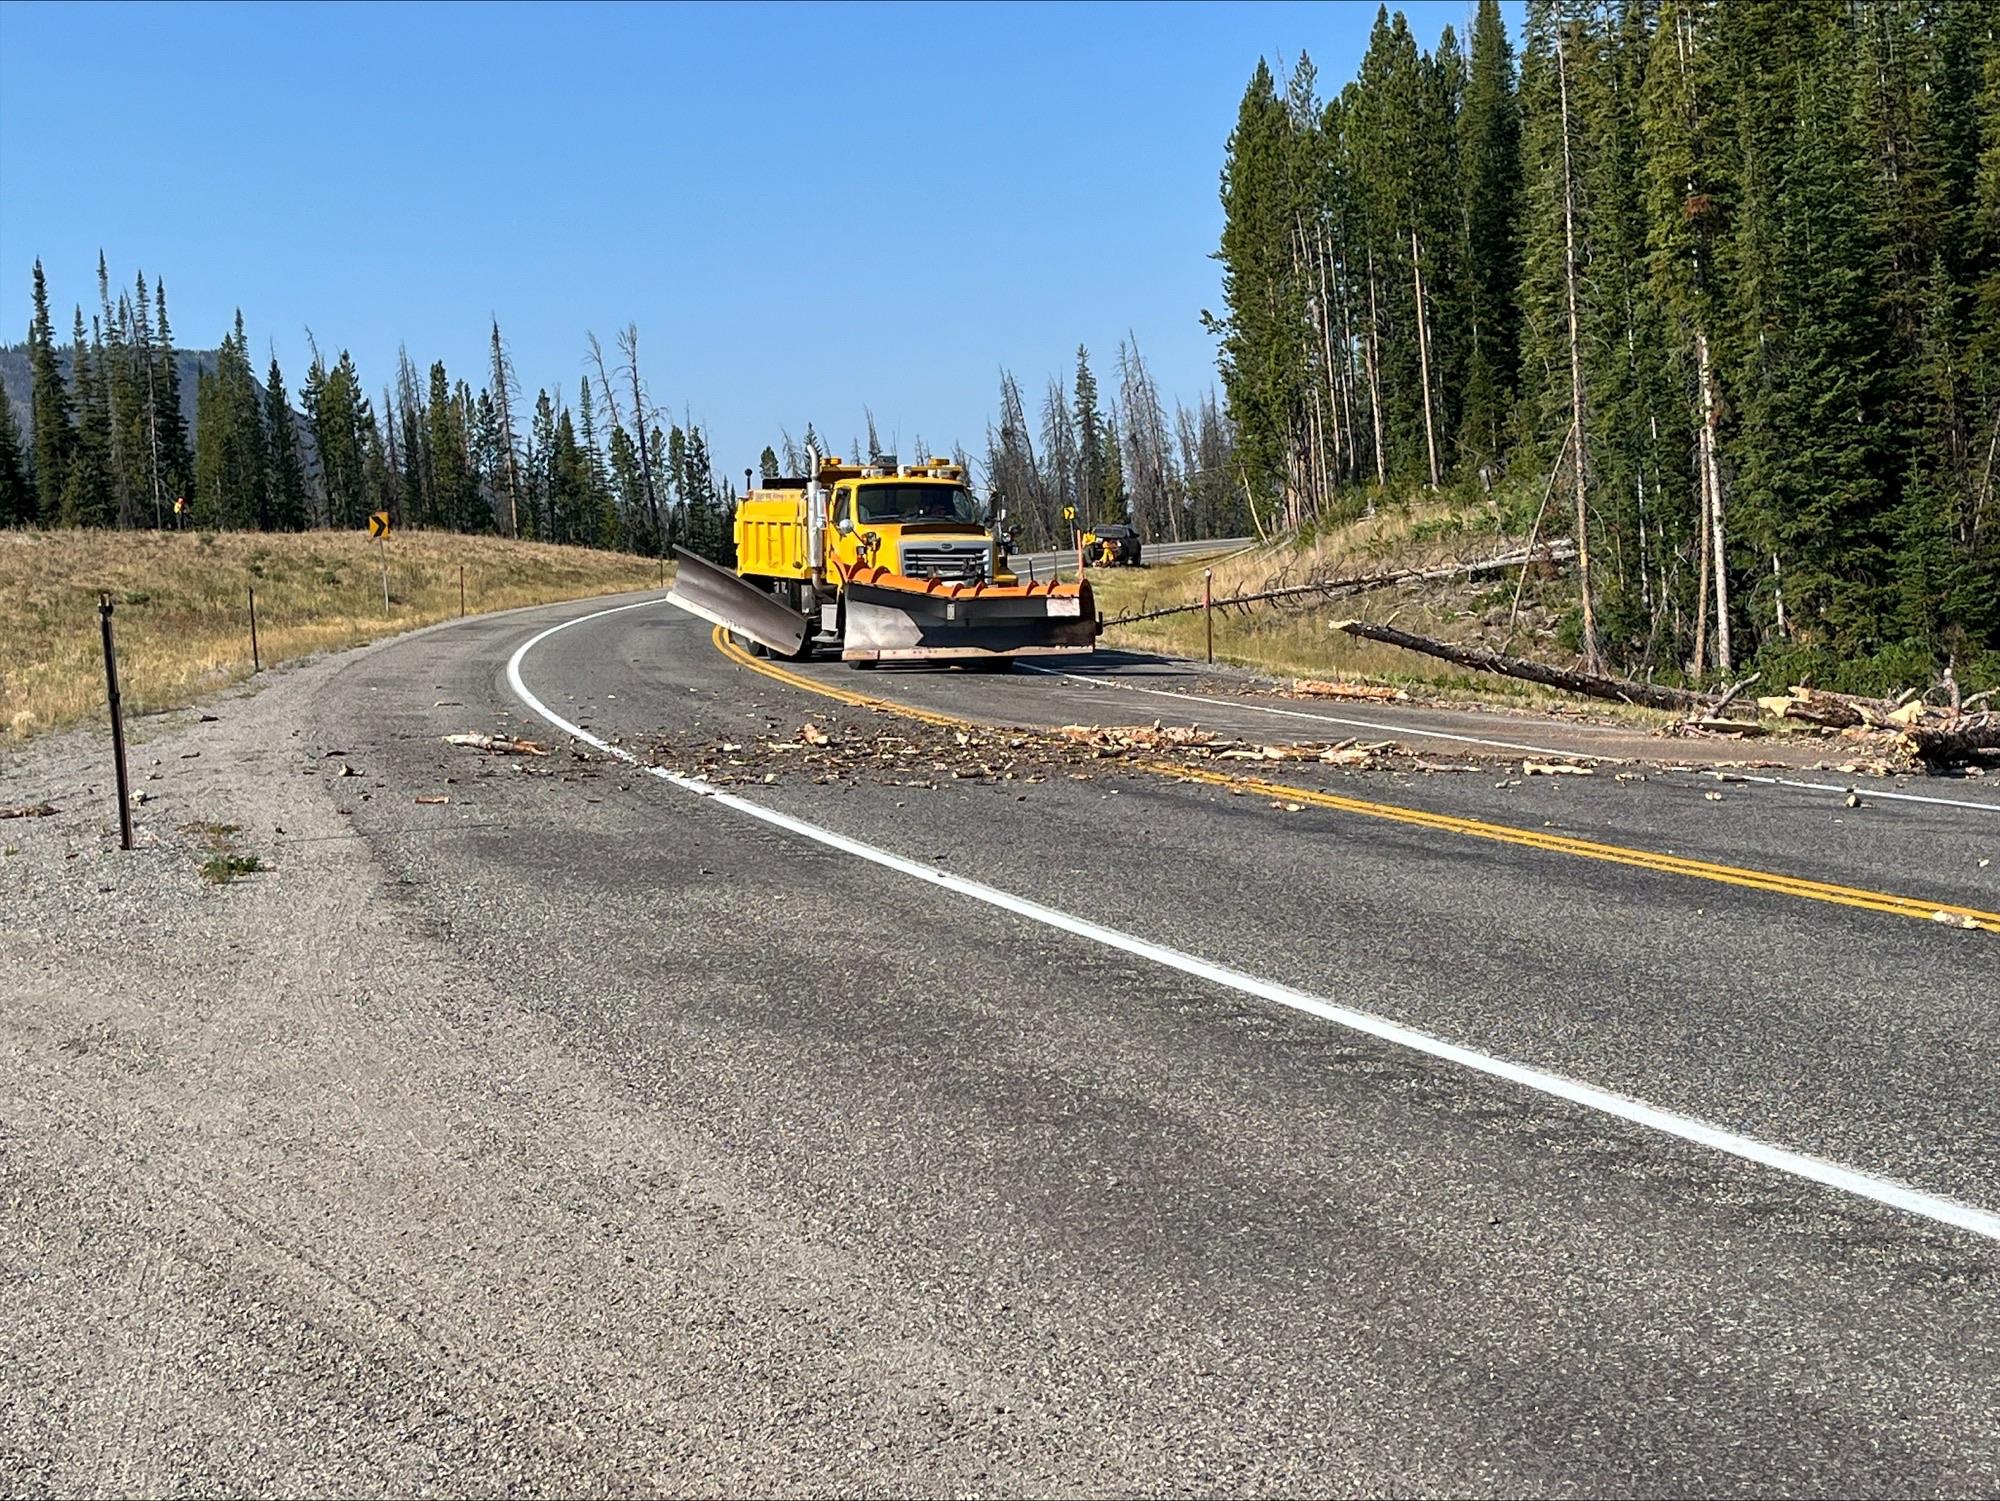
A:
<point x="1590" y="685"/>
<point x="1939" y="746"/>
<point x="1828" y="711"/>
<point x="1356" y="584"/>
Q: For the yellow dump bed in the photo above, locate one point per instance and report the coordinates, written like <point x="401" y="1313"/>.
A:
<point x="771" y="534"/>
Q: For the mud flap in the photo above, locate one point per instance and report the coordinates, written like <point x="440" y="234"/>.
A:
<point x="899" y="625"/>
<point x="717" y="595"/>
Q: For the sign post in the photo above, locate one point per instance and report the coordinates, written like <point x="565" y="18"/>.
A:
<point x="378" y="528"/>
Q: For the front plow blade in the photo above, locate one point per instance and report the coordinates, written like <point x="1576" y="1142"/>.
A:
<point x="886" y="624"/>
<point x="715" y="594"/>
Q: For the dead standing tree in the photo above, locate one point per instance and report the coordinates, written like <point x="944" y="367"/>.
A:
<point x="1591" y="661"/>
<point x="642" y="414"/>
<point x="505" y="388"/>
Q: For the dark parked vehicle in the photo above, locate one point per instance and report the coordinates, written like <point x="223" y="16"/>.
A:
<point x="1116" y="544"/>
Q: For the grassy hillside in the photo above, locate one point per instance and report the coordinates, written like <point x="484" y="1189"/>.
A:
<point x="182" y="605"/>
<point x="1295" y="639"/>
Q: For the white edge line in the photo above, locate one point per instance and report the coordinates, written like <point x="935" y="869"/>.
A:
<point x="1407" y="732"/>
<point x="1961" y="1216"/>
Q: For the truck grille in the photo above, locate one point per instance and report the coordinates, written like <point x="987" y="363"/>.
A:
<point x="945" y="560"/>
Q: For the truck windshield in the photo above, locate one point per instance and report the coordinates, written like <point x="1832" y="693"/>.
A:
<point x="892" y="502"/>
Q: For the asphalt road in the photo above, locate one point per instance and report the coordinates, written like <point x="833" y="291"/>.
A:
<point x="1106" y="1130"/>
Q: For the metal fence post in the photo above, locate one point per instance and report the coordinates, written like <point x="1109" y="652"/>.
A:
<point x="256" y="661"/>
<point x="117" y="723"/>
<point x="461" y="589"/>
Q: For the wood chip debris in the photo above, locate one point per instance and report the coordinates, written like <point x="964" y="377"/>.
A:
<point x="30" y="810"/>
<point x="496" y="745"/>
<point x="926" y="756"/>
<point x="1556" y="769"/>
<point x="433" y="802"/>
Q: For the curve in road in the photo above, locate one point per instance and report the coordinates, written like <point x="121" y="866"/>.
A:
<point x="1967" y="1217"/>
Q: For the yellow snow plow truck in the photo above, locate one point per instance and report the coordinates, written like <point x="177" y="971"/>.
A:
<point x="890" y="563"/>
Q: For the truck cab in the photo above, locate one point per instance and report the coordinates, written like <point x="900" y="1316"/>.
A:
<point x="918" y="521"/>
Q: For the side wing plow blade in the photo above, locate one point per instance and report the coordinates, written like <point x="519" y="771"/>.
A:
<point x="715" y="594"/>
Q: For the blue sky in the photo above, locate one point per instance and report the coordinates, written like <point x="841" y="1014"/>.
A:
<point x="804" y="208"/>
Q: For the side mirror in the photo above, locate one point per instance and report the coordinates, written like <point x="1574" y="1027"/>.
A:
<point x="845" y="526"/>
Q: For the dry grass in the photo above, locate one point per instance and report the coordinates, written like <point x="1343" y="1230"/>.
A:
<point x="182" y="605"/>
<point x="1298" y="640"/>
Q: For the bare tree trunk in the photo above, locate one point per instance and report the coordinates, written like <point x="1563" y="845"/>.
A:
<point x="1322" y="488"/>
<point x="1375" y="385"/>
<point x="1591" y="660"/>
<point x="1424" y="362"/>
<point x="628" y="345"/>
<point x="1645" y="578"/>
<point x="1970" y="533"/>
<point x="501" y="394"/>
<point x="1326" y="349"/>
<point x="1701" y="527"/>
<point x="1347" y="373"/>
<point x="1724" y="657"/>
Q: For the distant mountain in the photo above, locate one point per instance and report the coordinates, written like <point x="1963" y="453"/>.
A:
<point x="15" y="371"/>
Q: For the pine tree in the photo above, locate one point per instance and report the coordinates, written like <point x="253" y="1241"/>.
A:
<point x="86" y="492"/>
<point x="767" y="466"/>
<point x="49" y="410"/>
<point x="1113" y="503"/>
<point x="145" y="427"/>
<point x="541" y="468"/>
<point x="170" y="423"/>
<point x="111" y="355"/>
<point x="600" y="525"/>
<point x="504" y="388"/>
<point x="1088" y="430"/>
<point x="17" y="492"/>
<point x="286" y="484"/>
<point x="1262" y="324"/>
<point x="1489" y="165"/>
<point x="230" y="458"/>
<point x="452" y="501"/>
<point x="1812" y="449"/>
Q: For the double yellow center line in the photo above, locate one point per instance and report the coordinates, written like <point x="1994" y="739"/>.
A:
<point x="1473" y="828"/>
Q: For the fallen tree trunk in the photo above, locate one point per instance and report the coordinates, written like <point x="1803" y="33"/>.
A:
<point x="1359" y="584"/>
<point x="1828" y="711"/>
<point x="1589" y="684"/>
<point x="1939" y="746"/>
